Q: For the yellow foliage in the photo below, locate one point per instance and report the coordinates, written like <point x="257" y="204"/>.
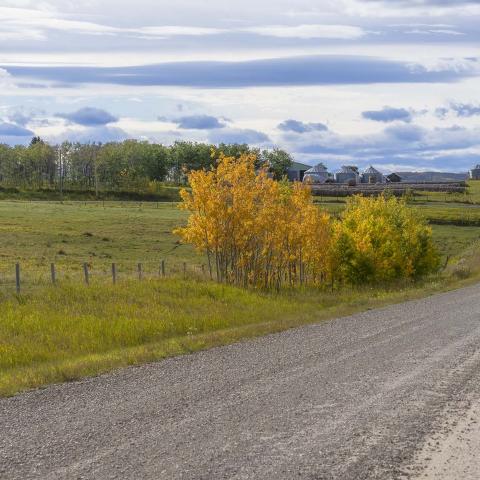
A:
<point x="255" y="231"/>
<point x="380" y="239"/>
<point x="260" y="232"/>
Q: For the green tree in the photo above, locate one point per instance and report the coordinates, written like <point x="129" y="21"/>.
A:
<point x="278" y="161"/>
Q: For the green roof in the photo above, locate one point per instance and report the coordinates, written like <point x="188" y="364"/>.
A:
<point x="299" y="166"/>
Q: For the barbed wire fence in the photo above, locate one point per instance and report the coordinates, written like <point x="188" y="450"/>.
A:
<point x="19" y="279"/>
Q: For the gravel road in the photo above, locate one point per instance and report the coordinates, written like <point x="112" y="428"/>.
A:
<point x="378" y="395"/>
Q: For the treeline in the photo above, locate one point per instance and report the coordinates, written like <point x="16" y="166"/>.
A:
<point x="134" y="166"/>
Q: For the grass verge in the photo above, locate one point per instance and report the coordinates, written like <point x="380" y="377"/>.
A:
<point x="72" y="331"/>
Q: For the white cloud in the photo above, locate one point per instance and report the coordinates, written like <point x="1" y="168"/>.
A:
<point x="28" y="24"/>
<point x="6" y="81"/>
<point x="342" y="32"/>
<point x="432" y="31"/>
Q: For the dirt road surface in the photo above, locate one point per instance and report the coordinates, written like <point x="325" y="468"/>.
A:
<point x="390" y="393"/>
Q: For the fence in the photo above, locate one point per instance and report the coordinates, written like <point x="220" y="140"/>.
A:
<point x="20" y="280"/>
<point x="398" y="189"/>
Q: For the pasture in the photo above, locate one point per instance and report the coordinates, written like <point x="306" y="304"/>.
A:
<point x="69" y="234"/>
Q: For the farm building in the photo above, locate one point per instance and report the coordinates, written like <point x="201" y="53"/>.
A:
<point x="372" y="175"/>
<point x="474" y="173"/>
<point x="347" y="174"/>
<point x="317" y="174"/>
<point x="296" y="171"/>
<point x="393" y="178"/>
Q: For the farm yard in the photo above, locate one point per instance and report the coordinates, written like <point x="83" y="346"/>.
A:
<point x="57" y="333"/>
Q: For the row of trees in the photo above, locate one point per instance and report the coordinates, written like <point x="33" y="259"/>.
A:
<point x="128" y="166"/>
<point x="260" y="232"/>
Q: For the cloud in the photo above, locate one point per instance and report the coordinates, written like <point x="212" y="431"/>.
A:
<point x="36" y="24"/>
<point x="100" y="134"/>
<point x="433" y="31"/>
<point x="6" y="80"/>
<point x="465" y="109"/>
<point x="18" y="118"/>
<point x="402" y="144"/>
<point x="12" y="130"/>
<point x="199" y="122"/>
<point x="237" y="135"/>
<point x="301" y="127"/>
<point x="405" y="133"/>
<point x="388" y="114"/>
<point x="340" y="32"/>
<point x="288" y="71"/>
<point x="89" y="116"/>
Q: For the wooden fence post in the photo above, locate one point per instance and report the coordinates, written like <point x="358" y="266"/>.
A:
<point x="17" y="277"/>
<point x="114" y="273"/>
<point x="203" y="269"/>
<point x="139" y="268"/>
<point x="86" y="273"/>
<point x="53" y="273"/>
<point x="163" y="268"/>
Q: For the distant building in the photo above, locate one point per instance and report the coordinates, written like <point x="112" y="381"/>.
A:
<point x="474" y="173"/>
<point x="317" y="174"/>
<point x="347" y="174"/>
<point x="393" y="178"/>
<point x="372" y="175"/>
<point x="297" y="171"/>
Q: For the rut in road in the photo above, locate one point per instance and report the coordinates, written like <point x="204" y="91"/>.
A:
<point x="352" y="398"/>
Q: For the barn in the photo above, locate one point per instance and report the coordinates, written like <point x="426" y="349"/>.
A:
<point x="296" y="171"/>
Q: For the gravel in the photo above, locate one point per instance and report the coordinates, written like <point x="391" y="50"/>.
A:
<point x="354" y="398"/>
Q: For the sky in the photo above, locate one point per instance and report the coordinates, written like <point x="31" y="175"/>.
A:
<point x="391" y="83"/>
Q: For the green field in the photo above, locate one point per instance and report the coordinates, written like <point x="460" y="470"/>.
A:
<point x="51" y="334"/>
<point x="69" y="234"/>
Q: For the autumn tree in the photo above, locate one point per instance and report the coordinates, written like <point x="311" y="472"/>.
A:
<point x="254" y="230"/>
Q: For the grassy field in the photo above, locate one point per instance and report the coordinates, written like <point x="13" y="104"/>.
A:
<point x="69" y="234"/>
<point x="53" y="334"/>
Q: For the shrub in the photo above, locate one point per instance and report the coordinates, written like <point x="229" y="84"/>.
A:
<point x="381" y="239"/>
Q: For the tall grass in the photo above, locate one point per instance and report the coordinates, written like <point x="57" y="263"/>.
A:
<point x="67" y="332"/>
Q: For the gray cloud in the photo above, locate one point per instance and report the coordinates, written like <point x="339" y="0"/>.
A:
<point x="463" y="110"/>
<point x="12" y="130"/>
<point x="309" y="70"/>
<point x="301" y="127"/>
<point x="199" y="122"/>
<point x="388" y="114"/>
<point x="89" y="116"/>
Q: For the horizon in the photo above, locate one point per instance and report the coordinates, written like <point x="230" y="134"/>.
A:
<point x="392" y="83"/>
